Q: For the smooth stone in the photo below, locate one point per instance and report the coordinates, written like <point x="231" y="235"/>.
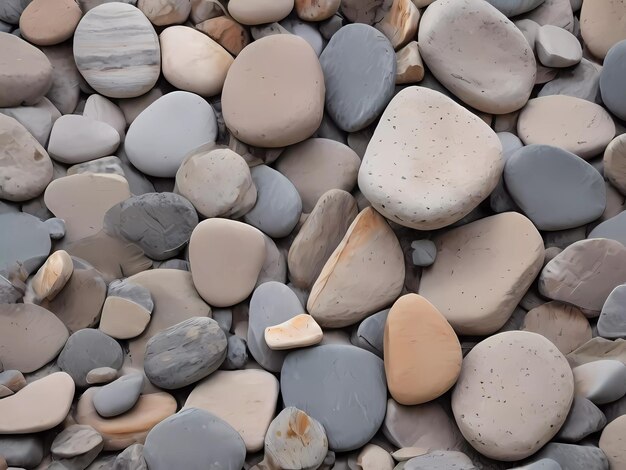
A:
<point x="407" y="453"/>
<point x="489" y="376"/>
<point x="477" y="62"/>
<point x="39" y="406"/>
<point x="259" y="12"/>
<point x="64" y="93"/>
<point x="191" y="439"/>
<point x="236" y="354"/>
<point x="10" y="10"/>
<point x="564" y="191"/>
<point x="161" y="136"/>
<point x="165" y="12"/>
<point x="350" y="76"/>
<point x="271" y="303"/>
<point x="364" y="274"/>
<point x="287" y="105"/>
<point x="11" y="290"/>
<point x="371" y="331"/>
<point x="227" y="33"/>
<point x="48" y="22"/>
<point x="123" y="318"/>
<point x="5" y="392"/>
<point x="574" y="457"/>
<point x="275" y="265"/>
<point x="13" y="380"/>
<point x="329" y="27"/>
<point x="557" y="47"/>
<point x="37" y="119"/>
<point x="344" y="389"/>
<point x="320" y="235"/>
<point x="130" y="428"/>
<point x="245" y="399"/>
<point x="306" y="31"/>
<point x="596" y="349"/>
<point x="297" y="332"/>
<point x="612" y="321"/>
<point x="492" y="263"/>
<point x="554" y="12"/>
<point x="202" y="10"/>
<point x="612" y="79"/>
<point x="106" y="165"/>
<point x="615" y="162"/>
<point x="101" y="375"/>
<point x="373" y="457"/>
<point x="87" y="349"/>
<point x="399" y="24"/>
<point x="25" y="451"/>
<point x="582" y="81"/>
<point x="77" y="139"/>
<point x="564" y="325"/>
<point x="612" y="443"/>
<point x="26" y="72"/>
<point x="131" y="458"/>
<point x="119" y="396"/>
<point x="576" y="125"/>
<point x="584" y="274"/>
<point x="30" y="336"/>
<point x="409" y="65"/>
<point x="296" y="441"/>
<point x="424" y="252"/>
<point x="440" y="460"/>
<point x="602" y="381"/>
<point x="602" y="25"/>
<point x="87" y="5"/>
<point x="388" y="173"/>
<point x="314" y="10"/>
<point x="419" y="342"/>
<point x="584" y="418"/>
<point x="278" y="205"/>
<point x="117" y="50"/>
<point x="269" y="29"/>
<point x="513" y="8"/>
<point x="136" y="293"/>
<point x="51" y="278"/>
<point x="26" y="166"/>
<point x="102" y="109"/>
<point x="226" y="258"/>
<point x="83" y="200"/>
<point x="76" y="440"/>
<point x="368" y="13"/>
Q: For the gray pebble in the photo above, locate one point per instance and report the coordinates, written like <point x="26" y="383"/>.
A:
<point x="101" y="375"/>
<point x="11" y="10"/>
<point x="119" y="396"/>
<point x="612" y="80"/>
<point x="223" y="317"/>
<point x="330" y="26"/>
<point x="237" y="354"/>
<point x="131" y="458"/>
<point x="36" y="119"/>
<point x="612" y="321"/>
<point x="107" y="165"/>
<point x="543" y="464"/>
<point x="573" y="457"/>
<point x="24" y="239"/>
<point x="76" y="440"/>
<point x="613" y="228"/>
<point x="371" y="332"/>
<point x="9" y="293"/>
<point x="582" y="81"/>
<point x="22" y="450"/>
<point x="515" y="7"/>
<point x="584" y="418"/>
<point x="179" y="264"/>
<point x="424" y="252"/>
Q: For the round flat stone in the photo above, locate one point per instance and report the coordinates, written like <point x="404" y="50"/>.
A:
<point x="286" y="105"/>
<point x="192" y="438"/>
<point x="161" y="136"/>
<point x="612" y="443"/>
<point x="49" y="22"/>
<point x="245" y="399"/>
<point x="602" y="25"/>
<point x="253" y="12"/>
<point x="478" y="60"/>
<point x="119" y="396"/>
<point x="615" y="162"/>
<point x="77" y="139"/>
<point x="518" y="413"/>
<point x="493" y="262"/>
<point x="75" y="440"/>
<point x="343" y="388"/>
<point x="359" y="67"/>
<point x="557" y="47"/>
<point x="404" y="173"/>
<point x="602" y="381"/>
<point x="555" y="189"/>
<point x="576" y="125"/>
<point x="612" y="321"/>
<point x="612" y="79"/>
<point x="117" y="50"/>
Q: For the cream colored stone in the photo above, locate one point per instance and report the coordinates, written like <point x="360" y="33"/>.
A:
<point x="226" y="32"/>
<point x="410" y="68"/>
<point x="316" y="10"/>
<point x="373" y="457"/>
<point x="49" y="22"/>
<point x="122" y="318"/>
<point x="245" y="399"/>
<point x="579" y="126"/>
<point x="491" y="263"/>
<point x="364" y="274"/>
<point x="615" y="162"/>
<point x="165" y="12"/>
<point x="192" y="61"/>
<point x="253" y="12"/>
<point x="419" y="342"/>
<point x="602" y="25"/>
<point x="297" y="332"/>
<point x="400" y="23"/>
<point x="613" y="443"/>
<point x="52" y="276"/>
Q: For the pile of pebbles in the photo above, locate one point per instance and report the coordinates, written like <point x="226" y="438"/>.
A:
<point x="313" y="234"/>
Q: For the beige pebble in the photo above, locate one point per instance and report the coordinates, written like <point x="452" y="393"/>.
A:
<point x="602" y="25"/>
<point x="52" y="276"/>
<point x="49" y="22"/>
<point x="297" y="332"/>
<point x="122" y="318"/>
<point x="613" y="443"/>
<point x="373" y="457"/>
<point x="410" y="68"/>
<point x="400" y="23"/>
<point x="101" y="375"/>
<point x="253" y="12"/>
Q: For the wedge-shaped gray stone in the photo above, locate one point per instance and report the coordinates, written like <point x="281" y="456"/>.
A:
<point x="612" y="321"/>
<point x="613" y="228"/>
<point x="371" y="332"/>
<point x="584" y="418"/>
<point x="612" y="80"/>
<point x="573" y="457"/>
<point x="582" y="81"/>
<point x="119" y="396"/>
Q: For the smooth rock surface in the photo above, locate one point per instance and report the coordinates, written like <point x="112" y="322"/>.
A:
<point x="602" y="381"/>
<point x="165" y="12"/>
<point x="101" y="109"/>
<point x="75" y="440"/>
<point x="226" y="32"/>
<point x="557" y="47"/>
<point x="119" y="396"/>
<point x="582" y="81"/>
<point x="612" y="443"/>
<point x="612" y="79"/>
<point x="615" y="162"/>
<point x="584" y="418"/>
<point x="49" y="22"/>
<point x="612" y="321"/>
<point x="51" y="278"/>
<point x="440" y="460"/>
<point x="24" y="451"/>
<point x="297" y="332"/>
<point x="259" y="12"/>
<point x="575" y="457"/>
<point x="602" y="24"/>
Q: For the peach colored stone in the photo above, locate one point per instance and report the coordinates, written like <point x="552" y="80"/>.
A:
<point x="410" y="68"/>
<point x="613" y="443"/>
<point x="52" y="276"/>
<point x="316" y="10"/>
<point x="297" y="332"/>
<point x="615" y="162"/>
<point x="422" y="353"/>
<point x="226" y="32"/>
<point x="602" y="25"/>
<point x="400" y="23"/>
<point x="49" y="22"/>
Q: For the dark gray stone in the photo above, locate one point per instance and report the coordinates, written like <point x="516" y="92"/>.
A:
<point x="88" y="349"/>
<point x="119" y="396"/>
<point x="424" y="252"/>
<point x="612" y="321"/>
<point x="194" y="439"/>
<point x="582" y="81"/>
<point x="584" y="418"/>
<point x="237" y="354"/>
<point x="359" y="66"/>
<point x="371" y="332"/>
<point x="133" y="292"/>
<point x="573" y="457"/>
<point x="612" y="79"/>
<point x="22" y="450"/>
<point x="131" y="458"/>
<point x="555" y="189"/>
<point x="343" y="387"/>
<point x="224" y="318"/>
<point x="515" y="7"/>
<point x="440" y="460"/>
<point x="185" y="353"/>
<point x="180" y="264"/>
<point x="613" y="228"/>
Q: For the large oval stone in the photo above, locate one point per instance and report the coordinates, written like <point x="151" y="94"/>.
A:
<point x="602" y="24"/>
<point x="415" y="174"/>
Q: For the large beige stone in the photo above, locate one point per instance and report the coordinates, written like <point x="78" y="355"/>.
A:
<point x="615" y="162"/>
<point x="287" y="102"/>
<point x="579" y="126"/>
<point x="253" y="12"/>
<point x="491" y="263"/>
<point x="364" y="274"/>
<point x="478" y="54"/>
<point x="415" y="174"/>
<point x="612" y="443"/>
<point x="422" y="353"/>
<point x="513" y="394"/>
<point x="602" y="25"/>
<point x="49" y="22"/>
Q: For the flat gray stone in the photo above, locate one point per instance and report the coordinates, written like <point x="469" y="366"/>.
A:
<point x="194" y="439"/>
<point x="511" y="8"/>
<point x="342" y="387"/>
<point x="612" y="321"/>
<point x="76" y="440"/>
<point x="272" y="303"/>
<point x="573" y="457"/>
<point x="119" y="396"/>
<point x="131" y="458"/>
<point x="612" y="80"/>
<point x="359" y="66"/>
<point x="185" y="353"/>
<point x="36" y="119"/>
<point x="278" y="204"/>
<point x="554" y="188"/>
<point x="159" y="223"/>
<point x="22" y="450"/>
<point x="371" y="332"/>
<point x="582" y="81"/>
<point x="424" y="252"/>
<point x="440" y="460"/>
<point x="236" y="355"/>
<point x="543" y="464"/>
<point x="88" y="349"/>
<point x="584" y="418"/>
<point x="24" y="239"/>
<point x="613" y="228"/>
<point x="13" y="380"/>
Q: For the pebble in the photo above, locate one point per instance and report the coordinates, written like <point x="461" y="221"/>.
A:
<point x="21" y="450"/>
<point x="602" y="25"/>
<point x="51" y="278"/>
<point x="245" y="399"/>
<point x="575" y="457"/>
<point x="581" y="81"/>
<point x="557" y="47"/>
<point x="126" y="310"/>
<point x="612" y="78"/>
<point x="584" y="418"/>
<point x="190" y="439"/>
<point x="368" y="13"/>
<point x="131" y="458"/>
<point x="313" y="10"/>
<point x="514" y="8"/>
<point x="399" y="24"/>
<point x="615" y="162"/>
<point x="409" y="65"/>
<point x="297" y="332"/>
<point x="554" y="12"/>
<point x="165" y="12"/>
<point x="440" y="460"/>
<point x="101" y="375"/>
<point x="259" y="12"/>
<point x="13" y="380"/>
<point x="49" y="22"/>
<point x="602" y="381"/>
<point x="424" y="252"/>
<point x="227" y="33"/>
<point x="119" y="396"/>
<point x="77" y="139"/>
<point x="76" y="440"/>
<point x="160" y="137"/>
<point x="37" y="119"/>
<point x="612" y="443"/>
<point x="373" y="457"/>
<point x="612" y="320"/>
<point x="371" y="331"/>
<point x="407" y="453"/>
<point x="101" y="109"/>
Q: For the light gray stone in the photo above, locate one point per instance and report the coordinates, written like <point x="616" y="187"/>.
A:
<point x="613" y="228"/>
<point x="371" y="331"/>
<point x="36" y="119"/>
<point x="236" y="355"/>
<point x="584" y="418"/>
<point x="22" y="450"/>
<point x="515" y="7"/>
<point x="573" y="457"/>
<point x="119" y="396"/>
<point x="581" y="81"/>
<point x="612" y="80"/>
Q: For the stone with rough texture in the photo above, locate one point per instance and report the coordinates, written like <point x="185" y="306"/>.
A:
<point x="297" y="332"/>
<point x="227" y="33"/>
<point x="602" y="381"/>
<point x="403" y="173"/>
<point x="165" y="12"/>
<point x="602" y="24"/>
<point x="48" y="22"/>
<point x="516" y="417"/>
<point x="76" y="440"/>
<point x="584" y="418"/>
<point x="131" y="458"/>
<point x="364" y="274"/>
<point x="51" y="277"/>
<point x="119" y="396"/>
<point x="260" y="11"/>
<point x="612" y="443"/>
<point x="557" y="47"/>
<point x="612" y="321"/>
<point x="106" y="165"/>
<point x="612" y="79"/>
<point x="475" y="52"/>
<point x="245" y="399"/>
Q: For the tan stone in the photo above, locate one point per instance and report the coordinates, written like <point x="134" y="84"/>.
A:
<point x="297" y="332"/>
<point x="400" y="23"/>
<point x="226" y="32"/>
<point x="226" y="258"/>
<point x="316" y="10"/>
<point x="129" y="428"/>
<point x="579" y="126"/>
<point x="422" y="353"/>
<point x="492" y="263"/>
<point x="407" y="453"/>
<point x="373" y="457"/>
<point x="563" y="324"/>
<point x="252" y="12"/>
<point x="52" y="276"/>
<point x="364" y="274"/>
<point x="165" y="12"/>
<point x="245" y="399"/>
<point x="49" y="22"/>
<point x="122" y="318"/>
<point x="615" y="162"/>
<point x="410" y="68"/>
<point x="613" y="443"/>
<point x="101" y="375"/>
<point x="39" y="406"/>
<point x="602" y="25"/>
